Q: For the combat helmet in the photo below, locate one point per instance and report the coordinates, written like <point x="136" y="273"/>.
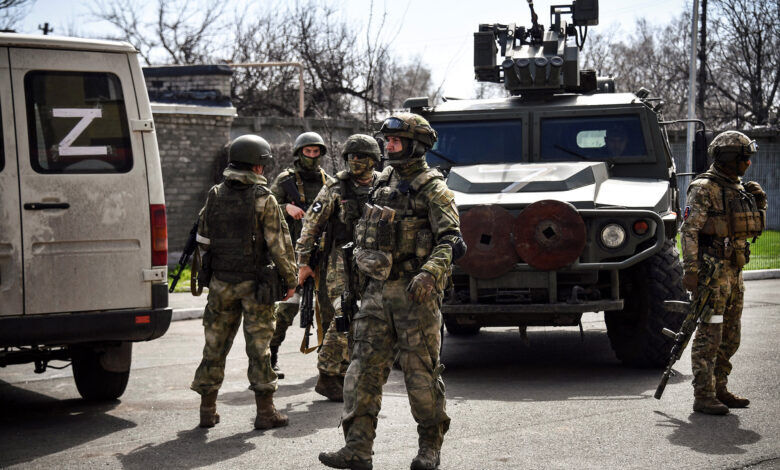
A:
<point x="411" y="126"/>
<point x="361" y="144"/>
<point x="308" y="139"/>
<point x="731" y="145"/>
<point x="251" y="149"/>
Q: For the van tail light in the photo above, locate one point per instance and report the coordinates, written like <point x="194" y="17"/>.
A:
<point x="159" y="235"/>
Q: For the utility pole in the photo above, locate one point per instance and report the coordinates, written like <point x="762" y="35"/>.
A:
<point x="691" y="97"/>
<point x="702" y="61"/>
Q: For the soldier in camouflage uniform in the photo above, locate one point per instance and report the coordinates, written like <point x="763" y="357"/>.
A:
<point x="720" y="216"/>
<point x="241" y="230"/>
<point x="335" y="212"/>
<point x="305" y="178"/>
<point x="406" y="257"/>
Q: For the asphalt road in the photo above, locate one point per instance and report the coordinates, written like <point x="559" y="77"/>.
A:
<point x="558" y="402"/>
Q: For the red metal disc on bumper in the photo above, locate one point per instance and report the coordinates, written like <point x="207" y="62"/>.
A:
<point x="487" y="231"/>
<point x="549" y="235"/>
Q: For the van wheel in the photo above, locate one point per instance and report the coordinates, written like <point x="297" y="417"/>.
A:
<point x="93" y="381"/>
<point x="456" y="329"/>
<point x="635" y="332"/>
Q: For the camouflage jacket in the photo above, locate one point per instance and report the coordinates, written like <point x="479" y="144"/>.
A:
<point x="713" y="197"/>
<point x="329" y="204"/>
<point x="423" y="197"/>
<point x="269" y="217"/>
<point x="308" y="183"/>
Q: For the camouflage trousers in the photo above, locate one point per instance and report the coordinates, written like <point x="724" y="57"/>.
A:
<point x="718" y="335"/>
<point x="227" y="303"/>
<point x="332" y="358"/>
<point x="388" y="319"/>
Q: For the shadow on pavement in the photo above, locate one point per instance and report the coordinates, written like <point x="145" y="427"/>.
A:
<point x="714" y="435"/>
<point x="550" y="356"/>
<point x="306" y="417"/>
<point x="190" y="449"/>
<point x="33" y="425"/>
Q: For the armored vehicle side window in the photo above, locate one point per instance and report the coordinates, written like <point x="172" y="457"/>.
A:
<point x="77" y="123"/>
<point x="475" y="142"/>
<point x="592" y="138"/>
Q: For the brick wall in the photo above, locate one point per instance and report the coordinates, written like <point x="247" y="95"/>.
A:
<point x="189" y="149"/>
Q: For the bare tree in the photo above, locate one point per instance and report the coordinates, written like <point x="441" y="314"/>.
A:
<point x="179" y="34"/>
<point x="13" y="11"/>
<point x="746" y="67"/>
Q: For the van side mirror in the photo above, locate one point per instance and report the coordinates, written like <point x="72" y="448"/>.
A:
<point x="701" y="141"/>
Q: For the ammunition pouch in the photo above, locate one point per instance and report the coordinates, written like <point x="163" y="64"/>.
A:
<point x="748" y="224"/>
<point x="414" y="238"/>
<point x="270" y="286"/>
<point x="374" y="263"/>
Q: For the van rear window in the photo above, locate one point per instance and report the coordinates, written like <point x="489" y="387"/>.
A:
<point x="77" y="123"/>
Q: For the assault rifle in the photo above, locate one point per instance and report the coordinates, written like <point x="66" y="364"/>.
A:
<point x="349" y="305"/>
<point x="189" y="249"/>
<point x="693" y="313"/>
<point x="307" y="298"/>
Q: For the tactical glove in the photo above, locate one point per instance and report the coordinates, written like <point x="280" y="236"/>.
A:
<point x="755" y="189"/>
<point x="690" y="282"/>
<point x="421" y="288"/>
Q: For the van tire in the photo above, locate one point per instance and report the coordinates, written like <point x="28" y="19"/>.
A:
<point x="456" y="329"/>
<point x="635" y="332"/>
<point x="93" y="381"/>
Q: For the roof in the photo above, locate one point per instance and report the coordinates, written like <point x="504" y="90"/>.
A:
<point x="63" y="42"/>
<point x="547" y="101"/>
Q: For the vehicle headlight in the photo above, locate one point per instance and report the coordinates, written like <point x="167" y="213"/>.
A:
<point x="613" y="235"/>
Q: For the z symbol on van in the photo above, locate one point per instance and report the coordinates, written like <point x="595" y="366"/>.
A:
<point x="87" y="115"/>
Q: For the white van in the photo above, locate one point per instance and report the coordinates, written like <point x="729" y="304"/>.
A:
<point x="83" y="237"/>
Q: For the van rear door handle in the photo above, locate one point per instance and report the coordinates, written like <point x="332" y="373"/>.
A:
<point x="39" y="206"/>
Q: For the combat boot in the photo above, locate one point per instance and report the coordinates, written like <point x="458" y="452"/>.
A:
<point x="710" y="406"/>
<point x="345" y="458"/>
<point x="274" y="362"/>
<point x="267" y="415"/>
<point x="208" y="410"/>
<point x="427" y="459"/>
<point x="330" y="386"/>
<point x="731" y="400"/>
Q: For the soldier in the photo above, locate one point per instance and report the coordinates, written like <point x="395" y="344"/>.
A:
<point x="720" y="215"/>
<point x="406" y="256"/>
<point x="295" y="188"/>
<point x="241" y="230"/>
<point x="335" y="212"/>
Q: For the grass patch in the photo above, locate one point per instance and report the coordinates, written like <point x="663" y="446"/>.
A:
<point x="764" y="253"/>
<point x="184" y="281"/>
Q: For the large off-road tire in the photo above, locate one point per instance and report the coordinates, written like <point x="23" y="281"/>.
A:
<point x="93" y="381"/>
<point x="635" y="332"/>
<point x="456" y="329"/>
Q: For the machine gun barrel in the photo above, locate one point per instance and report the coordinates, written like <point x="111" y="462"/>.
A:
<point x="189" y="249"/>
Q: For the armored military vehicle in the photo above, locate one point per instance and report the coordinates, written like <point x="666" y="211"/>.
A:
<point x="567" y="192"/>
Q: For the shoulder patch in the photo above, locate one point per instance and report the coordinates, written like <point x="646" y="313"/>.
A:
<point x="686" y="212"/>
<point x="316" y="207"/>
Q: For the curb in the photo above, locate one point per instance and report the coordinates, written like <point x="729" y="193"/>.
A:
<point x="186" y="314"/>
<point x="760" y="274"/>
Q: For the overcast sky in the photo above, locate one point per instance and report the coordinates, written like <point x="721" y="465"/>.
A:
<point x="439" y="31"/>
